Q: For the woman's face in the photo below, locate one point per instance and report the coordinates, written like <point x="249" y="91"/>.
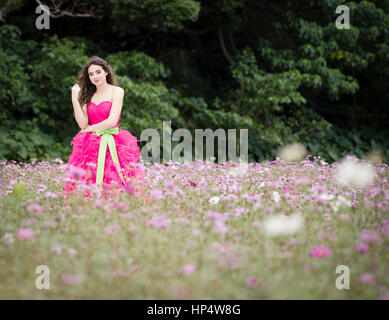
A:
<point x="97" y="74"/>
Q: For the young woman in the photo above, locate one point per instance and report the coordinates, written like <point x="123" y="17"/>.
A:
<point x="102" y="153"/>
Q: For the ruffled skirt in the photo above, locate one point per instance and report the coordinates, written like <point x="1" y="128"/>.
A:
<point x="82" y="163"/>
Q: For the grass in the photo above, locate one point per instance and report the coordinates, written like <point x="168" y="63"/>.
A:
<point x="120" y="249"/>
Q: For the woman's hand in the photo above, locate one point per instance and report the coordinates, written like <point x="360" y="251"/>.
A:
<point x="76" y="88"/>
<point x="86" y="129"/>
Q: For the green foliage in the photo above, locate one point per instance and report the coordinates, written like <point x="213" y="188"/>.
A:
<point x="138" y="66"/>
<point x="298" y="79"/>
<point x="157" y="15"/>
<point x="23" y="140"/>
<point x="146" y="105"/>
<point x="338" y="142"/>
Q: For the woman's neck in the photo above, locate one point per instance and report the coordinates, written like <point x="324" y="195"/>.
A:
<point x="102" y="88"/>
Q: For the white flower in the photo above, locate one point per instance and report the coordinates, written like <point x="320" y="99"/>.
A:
<point x="343" y="200"/>
<point x="334" y="206"/>
<point x="261" y="185"/>
<point x="276" y="196"/>
<point x="326" y="196"/>
<point x="351" y="173"/>
<point x="292" y="152"/>
<point x="214" y="200"/>
<point x="282" y="225"/>
<point x="8" y="238"/>
<point x="239" y="170"/>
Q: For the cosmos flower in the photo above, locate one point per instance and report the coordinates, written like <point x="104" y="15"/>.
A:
<point x="35" y="208"/>
<point x="129" y="189"/>
<point x="283" y="225"/>
<point x="362" y="247"/>
<point x="276" y="196"/>
<point x="253" y="281"/>
<point x="292" y="152"/>
<point x="192" y="183"/>
<point x="72" y="279"/>
<point x="368" y="236"/>
<point x="351" y="173"/>
<point x="112" y="229"/>
<point x="188" y="269"/>
<point x="8" y="238"/>
<point x="72" y="251"/>
<point x="214" y="200"/>
<point x="159" y="221"/>
<point x="25" y="234"/>
<point x="240" y="170"/>
<point x="76" y="172"/>
<point x="320" y="252"/>
<point x="368" y="278"/>
<point x="156" y="194"/>
<point x="220" y="227"/>
<point x="56" y="249"/>
<point x="286" y="255"/>
<point x="326" y="196"/>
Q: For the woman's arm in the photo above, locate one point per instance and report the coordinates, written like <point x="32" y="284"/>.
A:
<point x="116" y="109"/>
<point x="81" y="117"/>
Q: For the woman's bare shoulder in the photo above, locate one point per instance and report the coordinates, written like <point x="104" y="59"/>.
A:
<point x="117" y="89"/>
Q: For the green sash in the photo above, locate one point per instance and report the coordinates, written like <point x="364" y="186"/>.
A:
<point x="107" y="139"/>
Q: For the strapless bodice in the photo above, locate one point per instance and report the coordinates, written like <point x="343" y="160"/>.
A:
<point x="100" y="112"/>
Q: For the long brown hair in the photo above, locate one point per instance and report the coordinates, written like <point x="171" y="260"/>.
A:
<point x="86" y="86"/>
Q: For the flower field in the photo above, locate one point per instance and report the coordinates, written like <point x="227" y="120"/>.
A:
<point x="201" y="230"/>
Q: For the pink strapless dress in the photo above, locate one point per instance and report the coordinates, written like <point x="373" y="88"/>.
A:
<point x="86" y="150"/>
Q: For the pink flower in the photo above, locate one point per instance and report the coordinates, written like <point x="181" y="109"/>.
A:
<point x="129" y="189"/>
<point x="72" y="279"/>
<point x="320" y="252"/>
<point x="214" y="214"/>
<point x="50" y="224"/>
<point x="112" y="229"/>
<point x="170" y="185"/>
<point x="41" y="188"/>
<point x="25" y="233"/>
<point x="192" y="183"/>
<point x="362" y="247"/>
<point x="97" y="203"/>
<point x="120" y="206"/>
<point x="72" y="251"/>
<point x="51" y="195"/>
<point x="257" y="224"/>
<point x="126" y="273"/>
<point x="293" y="242"/>
<point x="188" y="269"/>
<point x="76" y="172"/>
<point x="156" y="194"/>
<point x="370" y="237"/>
<point x="220" y="227"/>
<point x="196" y="232"/>
<point x="252" y="282"/>
<point x="327" y="217"/>
<point x="8" y="238"/>
<point x="286" y="255"/>
<point x="35" y="208"/>
<point x="159" y="221"/>
<point x="323" y="235"/>
<point x="56" y="249"/>
<point x="368" y="278"/>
